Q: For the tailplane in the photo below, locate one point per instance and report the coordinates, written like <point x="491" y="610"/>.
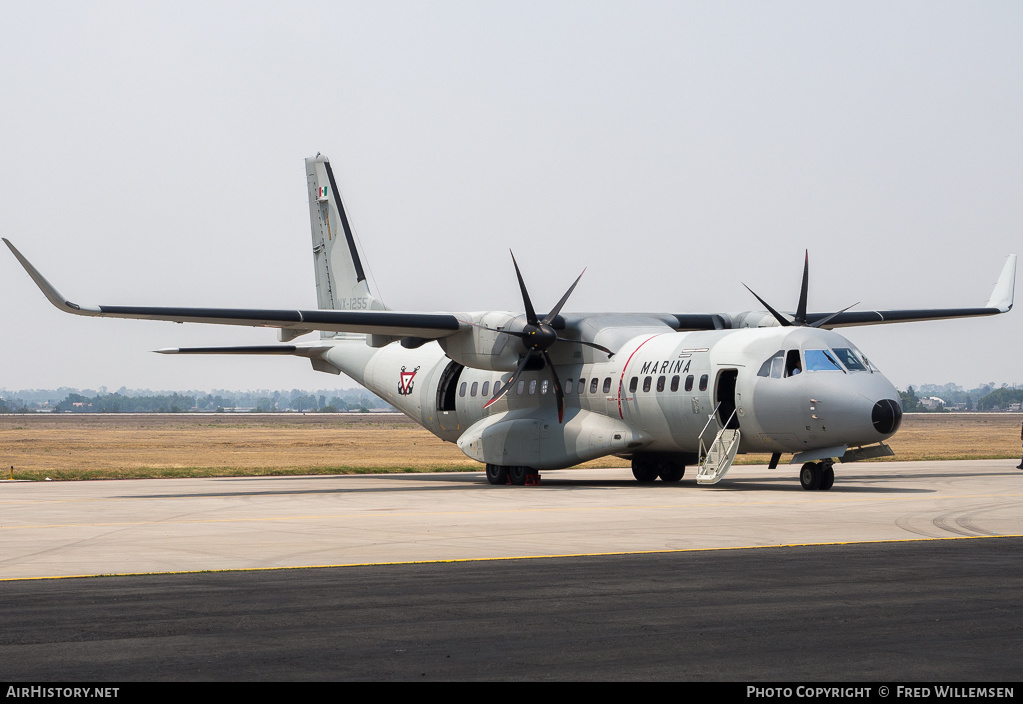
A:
<point x="341" y="282"/>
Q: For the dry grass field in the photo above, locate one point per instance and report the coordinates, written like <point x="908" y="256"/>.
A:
<point x="70" y="446"/>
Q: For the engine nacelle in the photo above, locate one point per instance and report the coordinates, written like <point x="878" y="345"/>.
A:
<point x="481" y="348"/>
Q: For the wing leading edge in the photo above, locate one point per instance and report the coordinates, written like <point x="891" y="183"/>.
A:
<point x="1000" y="301"/>
<point x="390" y="323"/>
<point x="431" y="326"/>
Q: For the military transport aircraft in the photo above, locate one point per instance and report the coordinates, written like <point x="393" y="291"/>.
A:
<point x="523" y="392"/>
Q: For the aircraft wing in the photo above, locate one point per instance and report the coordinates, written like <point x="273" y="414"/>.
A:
<point x="373" y="322"/>
<point x="431" y="326"/>
<point x="1000" y="301"/>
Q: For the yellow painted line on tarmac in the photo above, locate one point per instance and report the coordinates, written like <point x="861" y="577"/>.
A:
<point x="510" y="557"/>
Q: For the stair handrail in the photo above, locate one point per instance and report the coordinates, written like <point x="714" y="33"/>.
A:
<point x="712" y="416"/>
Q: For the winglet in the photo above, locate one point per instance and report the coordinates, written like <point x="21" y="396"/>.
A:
<point x="1005" y="287"/>
<point x="47" y="288"/>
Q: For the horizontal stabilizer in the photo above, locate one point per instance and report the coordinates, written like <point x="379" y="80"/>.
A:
<point x="250" y="349"/>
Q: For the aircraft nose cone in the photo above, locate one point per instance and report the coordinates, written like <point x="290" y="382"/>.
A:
<point x="886" y="416"/>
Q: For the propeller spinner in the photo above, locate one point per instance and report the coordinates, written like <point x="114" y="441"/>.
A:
<point x="538" y="336"/>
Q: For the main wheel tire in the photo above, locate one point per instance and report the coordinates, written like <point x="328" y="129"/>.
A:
<point x="810" y="476"/>
<point x="644" y="471"/>
<point x="671" y="472"/>
<point x="518" y="475"/>
<point x="496" y="474"/>
<point x="827" y="478"/>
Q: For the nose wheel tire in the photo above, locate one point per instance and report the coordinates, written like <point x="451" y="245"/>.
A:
<point x="810" y="476"/>
<point x="817" y="475"/>
<point x="827" y="479"/>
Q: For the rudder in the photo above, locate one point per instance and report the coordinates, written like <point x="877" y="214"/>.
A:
<point x="341" y="282"/>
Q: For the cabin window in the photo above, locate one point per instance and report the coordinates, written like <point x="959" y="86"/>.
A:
<point x="568" y="386"/>
<point x="486" y="388"/>
<point x="521" y="387"/>
<point x="461" y="389"/>
<point x="543" y="386"/>
<point x="646" y="383"/>
<point x="607" y="385"/>
<point x="497" y="387"/>
<point x="582" y="385"/>
<point x="847" y="357"/>
<point x="474" y="388"/>
<point x="689" y="383"/>
<point x="593" y="385"/>
<point x="633" y="384"/>
<point x="703" y="383"/>
<point x="821" y="361"/>
<point x="532" y="387"/>
<point x="674" y="383"/>
<point x="660" y="383"/>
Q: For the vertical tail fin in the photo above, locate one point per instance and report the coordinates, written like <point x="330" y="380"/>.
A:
<point x="341" y="282"/>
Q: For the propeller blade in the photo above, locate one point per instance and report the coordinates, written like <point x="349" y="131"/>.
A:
<point x="777" y="316"/>
<point x="594" y="345"/>
<point x="823" y="321"/>
<point x="530" y="313"/>
<point x="522" y="335"/>
<point x="559" y="393"/>
<point x="801" y="307"/>
<point x="511" y="382"/>
<point x="557" y="309"/>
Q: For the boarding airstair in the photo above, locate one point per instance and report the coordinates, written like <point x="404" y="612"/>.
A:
<point x="717" y="459"/>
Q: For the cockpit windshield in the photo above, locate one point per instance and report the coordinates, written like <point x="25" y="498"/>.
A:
<point x="840" y="359"/>
<point x="847" y="357"/>
<point x="821" y="361"/>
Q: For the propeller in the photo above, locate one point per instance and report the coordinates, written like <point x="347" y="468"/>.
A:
<point x="799" y="319"/>
<point x="538" y="336"/>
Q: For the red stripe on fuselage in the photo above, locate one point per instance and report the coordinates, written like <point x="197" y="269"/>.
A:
<point x="621" y="380"/>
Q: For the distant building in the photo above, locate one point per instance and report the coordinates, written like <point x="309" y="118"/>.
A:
<point x="932" y="403"/>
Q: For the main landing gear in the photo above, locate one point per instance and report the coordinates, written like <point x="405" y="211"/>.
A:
<point x="647" y="469"/>
<point x="519" y="476"/>
<point x="818" y="475"/>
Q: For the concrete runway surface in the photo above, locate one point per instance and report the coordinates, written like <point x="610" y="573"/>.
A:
<point x="676" y="606"/>
<point x="52" y="529"/>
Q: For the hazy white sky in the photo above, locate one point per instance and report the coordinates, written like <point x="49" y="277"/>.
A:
<point x="152" y="153"/>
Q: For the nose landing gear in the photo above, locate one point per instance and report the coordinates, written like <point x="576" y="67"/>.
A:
<point x="817" y="475"/>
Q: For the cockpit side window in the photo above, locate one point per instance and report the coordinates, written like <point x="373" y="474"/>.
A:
<point x="793" y="365"/>
<point x="821" y="361"/>
<point x="773" y="367"/>
<point x="847" y="357"/>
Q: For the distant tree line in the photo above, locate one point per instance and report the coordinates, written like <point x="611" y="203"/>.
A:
<point x="116" y="403"/>
<point x="124" y="401"/>
<point x="986" y="397"/>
